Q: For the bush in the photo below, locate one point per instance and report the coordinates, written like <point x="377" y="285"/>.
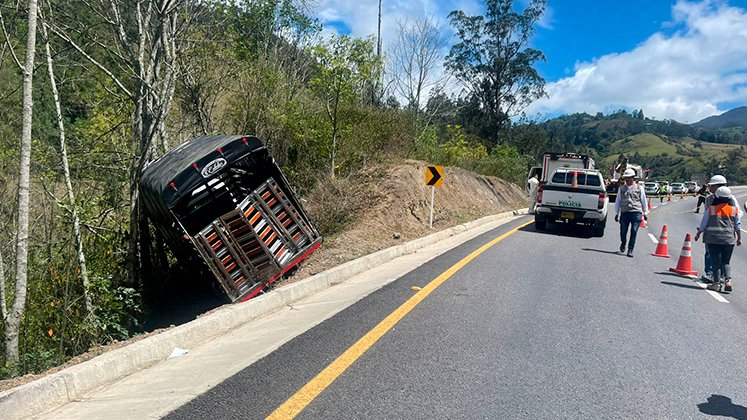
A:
<point x="331" y="205"/>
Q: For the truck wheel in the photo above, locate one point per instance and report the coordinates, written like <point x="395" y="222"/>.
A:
<point x="539" y="222"/>
<point x="599" y="228"/>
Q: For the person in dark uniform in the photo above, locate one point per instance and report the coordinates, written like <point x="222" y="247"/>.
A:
<point x="702" y="194"/>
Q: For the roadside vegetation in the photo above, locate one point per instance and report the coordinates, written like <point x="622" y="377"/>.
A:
<point x="91" y="92"/>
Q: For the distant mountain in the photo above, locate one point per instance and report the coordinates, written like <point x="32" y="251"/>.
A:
<point x="737" y="117"/>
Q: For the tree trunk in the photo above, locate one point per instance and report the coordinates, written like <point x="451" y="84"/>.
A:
<point x="3" y="304"/>
<point x="68" y="183"/>
<point x="14" y="318"/>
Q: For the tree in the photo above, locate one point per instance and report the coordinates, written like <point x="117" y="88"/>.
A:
<point x="66" y="172"/>
<point x="141" y="54"/>
<point x="493" y="59"/>
<point x="14" y="317"/>
<point x="345" y="67"/>
<point x="414" y="55"/>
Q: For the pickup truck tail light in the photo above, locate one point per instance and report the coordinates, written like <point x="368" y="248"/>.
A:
<point x="602" y="197"/>
<point x="539" y="194"/>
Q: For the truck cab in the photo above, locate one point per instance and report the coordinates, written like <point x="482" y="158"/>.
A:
<point x="575" y="196"/>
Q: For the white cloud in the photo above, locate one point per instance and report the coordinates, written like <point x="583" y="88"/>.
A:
<point x="686" y="75"/>
<point x="361" y="16"/>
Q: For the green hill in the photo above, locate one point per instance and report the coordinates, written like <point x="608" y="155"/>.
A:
<point x="736" y="117"/>
<point x="670" y="149"/>
<point x="645" y="144"/>
<point x="678" y="158"/>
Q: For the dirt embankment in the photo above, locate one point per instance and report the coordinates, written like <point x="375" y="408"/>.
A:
<point x="390" y="206"/>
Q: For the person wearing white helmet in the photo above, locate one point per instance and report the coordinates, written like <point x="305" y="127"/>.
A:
<point x="630" y="207"/>
<point x="715" y="183"/>
<point x="721" y="229"/>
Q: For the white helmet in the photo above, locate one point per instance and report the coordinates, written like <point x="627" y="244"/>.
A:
<point x="629" y="173"/>
<point x="723" y="192"/>
<point x="717" y="180"/>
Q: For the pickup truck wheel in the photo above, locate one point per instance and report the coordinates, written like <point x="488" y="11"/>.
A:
<point x="540" y="223"/>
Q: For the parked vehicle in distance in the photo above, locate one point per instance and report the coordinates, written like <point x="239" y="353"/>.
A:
<point x="679" y="188"/>
<point x="573" y="196"/>
<point x="692" y="186"/>
<point x="651" y="188"/>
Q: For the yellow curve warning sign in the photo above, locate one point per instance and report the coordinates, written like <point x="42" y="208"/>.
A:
<point x="434" y="176"/>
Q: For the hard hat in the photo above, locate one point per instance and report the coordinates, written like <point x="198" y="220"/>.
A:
<point x="723" y="192"/>
<point x="629" y="173"/>
<point x="717" y="180"/>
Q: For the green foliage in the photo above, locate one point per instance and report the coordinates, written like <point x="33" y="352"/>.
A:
<point x="494" y="61"/>
<point x="504" y="160"/>
<point x="117" y="310"/>
<point x="346" y="67"/>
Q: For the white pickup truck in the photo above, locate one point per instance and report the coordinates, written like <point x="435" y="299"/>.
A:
<point x="573" y="196"/>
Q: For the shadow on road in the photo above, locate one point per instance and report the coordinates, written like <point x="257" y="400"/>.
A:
<point x="684" y="286"/>
<point x="719" y="405"/>
<point x="603" y="251"/>
<point x="671" y="274"/>
<point x="562" y="229"/>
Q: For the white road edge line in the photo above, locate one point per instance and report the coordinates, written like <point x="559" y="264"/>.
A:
<point x="653" y="238"/>
<point x="715" y="294"/>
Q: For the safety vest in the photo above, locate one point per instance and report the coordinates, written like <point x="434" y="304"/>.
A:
<point x="630" y="199"/>
<point x="721" y="224"/>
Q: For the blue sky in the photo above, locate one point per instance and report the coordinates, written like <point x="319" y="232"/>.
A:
<point x="678" y="59"/>
<point x="580" y="31"/>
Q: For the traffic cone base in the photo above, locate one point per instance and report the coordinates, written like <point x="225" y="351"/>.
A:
<point x="662" y="249"/>
<point x="685" y="263"/>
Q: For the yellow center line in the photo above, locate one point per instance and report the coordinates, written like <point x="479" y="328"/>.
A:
<point x="324" y="379"/>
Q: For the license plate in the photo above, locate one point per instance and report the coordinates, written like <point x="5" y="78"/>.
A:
<point x="567" y="215"/>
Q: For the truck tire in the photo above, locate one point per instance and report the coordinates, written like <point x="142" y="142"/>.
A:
<point x="599" y="228"/>
<point x="540" y="223"/>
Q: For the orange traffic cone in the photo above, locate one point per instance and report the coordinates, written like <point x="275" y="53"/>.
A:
<point x="685" y="263"/>
<point x="670" y="198"/>
<point x="662" y="250"/>
<point x="643" y="222"/>
<point x="649" y="205"/>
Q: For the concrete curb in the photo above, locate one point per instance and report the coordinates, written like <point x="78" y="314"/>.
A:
<point x="75" y="382"/>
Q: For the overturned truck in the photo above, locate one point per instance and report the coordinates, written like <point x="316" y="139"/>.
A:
<point x="225" y="199"/>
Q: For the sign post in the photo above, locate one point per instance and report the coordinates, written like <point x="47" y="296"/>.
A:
<point x="433" y="178"/>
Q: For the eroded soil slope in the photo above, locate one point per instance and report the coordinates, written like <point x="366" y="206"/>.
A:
<point x="389" y="206"/>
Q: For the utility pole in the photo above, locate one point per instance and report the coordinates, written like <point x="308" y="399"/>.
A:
<point x="375" y="85"/>
<point x="378" y="35"/>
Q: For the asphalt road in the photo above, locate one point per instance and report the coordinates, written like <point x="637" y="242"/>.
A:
<point x="547" y="324"/>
